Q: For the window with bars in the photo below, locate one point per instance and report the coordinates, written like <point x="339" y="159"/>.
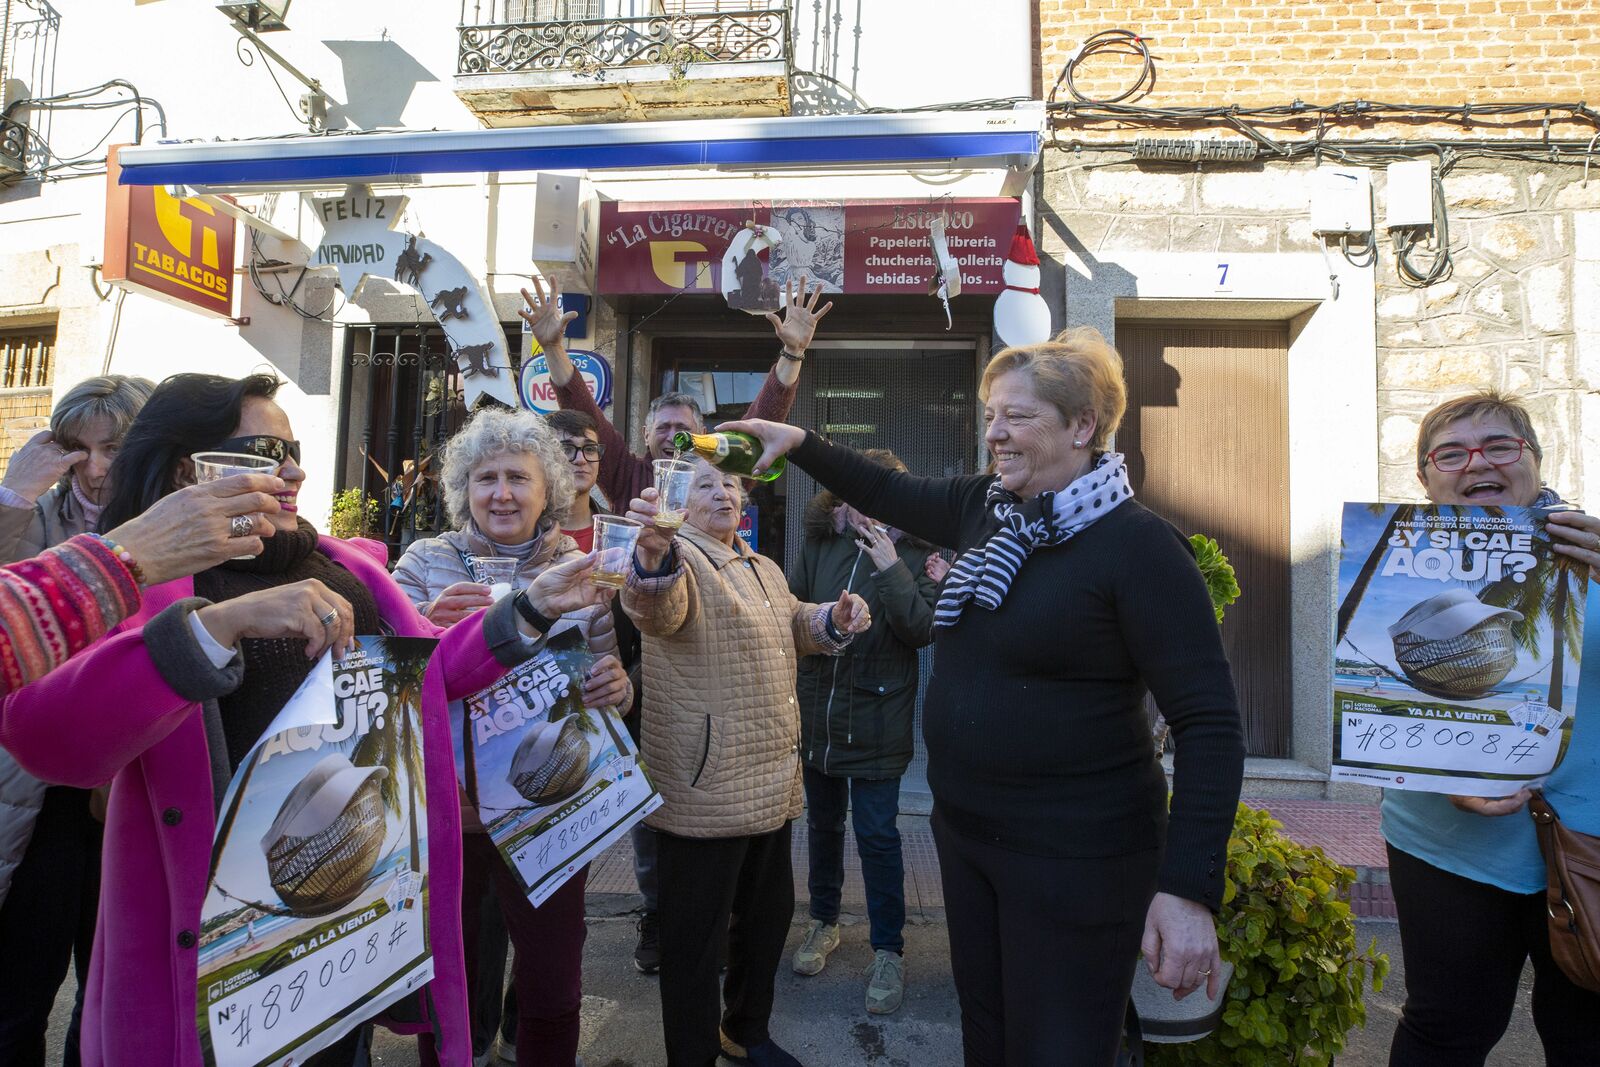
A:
<point x="521" y="11"/>
<point x="29" y="357"/>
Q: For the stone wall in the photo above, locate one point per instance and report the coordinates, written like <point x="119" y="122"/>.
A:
<point x="1520" y="311"/>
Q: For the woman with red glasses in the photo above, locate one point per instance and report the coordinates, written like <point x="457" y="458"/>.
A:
<point x="1467" y="876"/>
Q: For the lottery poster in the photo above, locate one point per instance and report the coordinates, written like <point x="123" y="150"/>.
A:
<point x="1459" y="640"/>
<point x="313" y="920"/>
<point x="554" y="782"/>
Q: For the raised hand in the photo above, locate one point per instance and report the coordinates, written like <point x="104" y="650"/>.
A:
<point x="800" y="316"/>
<point x="543" y="314"/>
<point x="38" y="465"/>
<point x="850" y="614"/>
<point x="875" y="542"/>
<point x="654" y="541"/>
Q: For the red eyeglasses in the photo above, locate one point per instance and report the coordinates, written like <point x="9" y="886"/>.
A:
<point x="1447" y="459"/>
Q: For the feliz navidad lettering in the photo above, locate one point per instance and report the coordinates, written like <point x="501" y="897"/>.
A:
<point x="1446" y="555"/>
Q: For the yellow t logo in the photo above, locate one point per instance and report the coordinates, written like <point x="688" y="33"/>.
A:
<point x="178" y="229"/>
<point x="674" y="271"/>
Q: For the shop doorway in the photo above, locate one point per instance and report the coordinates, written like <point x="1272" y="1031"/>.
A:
<point x="915" y="397"/>
<point x="1207" y="441"/>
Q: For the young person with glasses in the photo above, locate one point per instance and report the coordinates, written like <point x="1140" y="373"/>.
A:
<point x="1467" y="874"/>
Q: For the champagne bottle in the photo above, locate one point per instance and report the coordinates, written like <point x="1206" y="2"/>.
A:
<point x="733" y="452"/>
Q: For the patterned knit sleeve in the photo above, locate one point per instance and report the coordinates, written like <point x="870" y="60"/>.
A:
<point x="56" y="604"/>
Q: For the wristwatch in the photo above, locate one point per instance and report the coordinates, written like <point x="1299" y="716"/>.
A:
<point x="529" y="613"/>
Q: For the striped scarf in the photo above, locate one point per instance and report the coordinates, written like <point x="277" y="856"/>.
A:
<point x="985" y="572"/>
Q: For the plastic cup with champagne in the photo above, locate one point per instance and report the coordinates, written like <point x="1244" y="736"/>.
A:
<point x="615" y="539"/>
<point x="214" y="466"/>
<point x="673" y="478"/>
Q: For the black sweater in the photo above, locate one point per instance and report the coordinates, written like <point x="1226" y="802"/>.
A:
<point x="1034" y="719"/>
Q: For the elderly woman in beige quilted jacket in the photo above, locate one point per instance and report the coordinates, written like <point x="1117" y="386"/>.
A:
<point x="720" y="732"/>
<point x="508" y="486"/>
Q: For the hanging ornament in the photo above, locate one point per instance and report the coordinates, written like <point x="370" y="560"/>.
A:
<point x="946" y="280"/>
<point x="1021" y="317"/>
<point x="746" y="283"/>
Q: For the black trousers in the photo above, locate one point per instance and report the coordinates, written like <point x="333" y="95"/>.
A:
<point x="1042" y="949"/>
<point x="47" y="923"/>
<point x="741" y="885"/>
<point x="1465" y="944"/>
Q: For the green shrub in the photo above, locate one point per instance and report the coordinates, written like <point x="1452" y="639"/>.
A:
<point x="348" y="520"/>
<point x="1298" y="979"/>
<point x="1217" y="571"/>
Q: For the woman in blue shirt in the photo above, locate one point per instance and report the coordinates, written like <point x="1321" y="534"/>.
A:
<point x="1466" y="872"/>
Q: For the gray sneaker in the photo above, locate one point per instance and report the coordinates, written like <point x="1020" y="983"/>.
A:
<point x="886" y="982"/>
<point x="812" y="955"/>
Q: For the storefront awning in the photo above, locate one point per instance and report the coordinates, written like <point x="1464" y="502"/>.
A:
<point x="950" y="139"/>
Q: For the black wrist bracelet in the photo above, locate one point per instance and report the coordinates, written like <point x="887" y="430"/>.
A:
<point x="784" y="353"/>
<point x="529" y="613"/>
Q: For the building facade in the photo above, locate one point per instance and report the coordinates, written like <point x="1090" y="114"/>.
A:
<point x="1280" y="356"/>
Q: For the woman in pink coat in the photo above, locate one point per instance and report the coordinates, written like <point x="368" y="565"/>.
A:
<point x="174" y="699"/>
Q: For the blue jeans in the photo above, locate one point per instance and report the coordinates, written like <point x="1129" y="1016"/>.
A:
<point x="873" y="803"/>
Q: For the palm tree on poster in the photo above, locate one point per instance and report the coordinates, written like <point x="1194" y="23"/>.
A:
<point x="1552" y="593"/>
<point x="1403" y="513"/>
<point x="396" y="748"/>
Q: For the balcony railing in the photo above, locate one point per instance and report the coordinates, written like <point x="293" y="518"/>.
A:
<point x="498" y="37"/>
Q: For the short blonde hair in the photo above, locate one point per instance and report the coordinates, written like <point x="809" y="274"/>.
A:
<point x="1075" y="372"/>
<point x="492" y="432"/>
<point x="1491" y="402"/>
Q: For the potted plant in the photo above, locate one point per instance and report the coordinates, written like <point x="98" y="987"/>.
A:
<point x="1293" y="978"/>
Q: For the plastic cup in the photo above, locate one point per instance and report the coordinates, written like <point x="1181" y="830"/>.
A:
<point x="21" y="428"/>
<point x="499" y="573"/>
<point x="615" y="538"/>
<point x="215" y="466"/>
<point x="673" y="477"/>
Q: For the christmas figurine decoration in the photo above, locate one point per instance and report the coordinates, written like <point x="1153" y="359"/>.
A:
<point x="946" y="280"/>
<point x="746" y="283"/>
<point x="1021" y="317"/>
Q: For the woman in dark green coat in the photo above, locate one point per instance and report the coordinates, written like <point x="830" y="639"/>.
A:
<point x="857" y="716"/>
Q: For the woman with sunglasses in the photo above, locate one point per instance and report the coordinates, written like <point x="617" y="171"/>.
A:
<point x="180" y="696"/>
<point x="1467" y="876"/>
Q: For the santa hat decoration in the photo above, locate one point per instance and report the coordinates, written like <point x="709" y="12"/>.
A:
<point x="1021" y="317"/>
<point x="1022" y="250"/>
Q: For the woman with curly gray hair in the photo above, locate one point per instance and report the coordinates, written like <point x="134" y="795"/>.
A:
<point x="508" y="486"/>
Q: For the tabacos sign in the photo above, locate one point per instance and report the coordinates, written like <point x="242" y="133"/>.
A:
<point x="538" y="392"/>
<point x="180" y="250"/>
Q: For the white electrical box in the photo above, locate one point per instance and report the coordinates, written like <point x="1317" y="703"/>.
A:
<point x="555" y="217"/>
<point x="1341" y="200"/>
<point x="1408" y="199"/>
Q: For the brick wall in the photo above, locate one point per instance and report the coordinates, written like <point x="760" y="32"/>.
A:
<point x="1265" y="52"/>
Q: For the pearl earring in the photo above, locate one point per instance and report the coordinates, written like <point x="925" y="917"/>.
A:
<point x="1077" y="444"/>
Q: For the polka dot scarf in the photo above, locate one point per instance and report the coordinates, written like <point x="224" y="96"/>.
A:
<point x="984" y="573"/>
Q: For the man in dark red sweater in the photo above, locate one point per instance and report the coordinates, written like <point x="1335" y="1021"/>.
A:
<point x="622" y="473"/>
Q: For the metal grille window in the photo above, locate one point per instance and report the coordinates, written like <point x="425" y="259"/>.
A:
<point x="515" y="11"/>
<point x="401" y="400"/>
<point x="29" y="357"/>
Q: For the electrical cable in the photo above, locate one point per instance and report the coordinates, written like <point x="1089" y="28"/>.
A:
<point x="1107" y="42"/>
<point x="1406" y="239"/>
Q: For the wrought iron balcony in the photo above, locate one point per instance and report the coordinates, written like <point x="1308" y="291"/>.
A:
<point x="703" y="59"/>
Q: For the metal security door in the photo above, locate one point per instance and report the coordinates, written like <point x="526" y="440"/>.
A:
<point x="916" y="398"/>
<point x="1207" y="441"/>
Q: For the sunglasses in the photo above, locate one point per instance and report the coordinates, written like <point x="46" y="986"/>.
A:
<point x="264" y="445"/>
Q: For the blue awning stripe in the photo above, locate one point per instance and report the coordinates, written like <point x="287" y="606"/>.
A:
<point x="266" y="164"/>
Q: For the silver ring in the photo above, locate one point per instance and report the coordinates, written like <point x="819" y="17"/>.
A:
<point x="1204" y="974"/>
<point x="330" y="617"/>
<point x="241" y="526"/>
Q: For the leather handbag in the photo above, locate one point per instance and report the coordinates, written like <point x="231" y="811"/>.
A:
<point x="1572" y="894"/>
